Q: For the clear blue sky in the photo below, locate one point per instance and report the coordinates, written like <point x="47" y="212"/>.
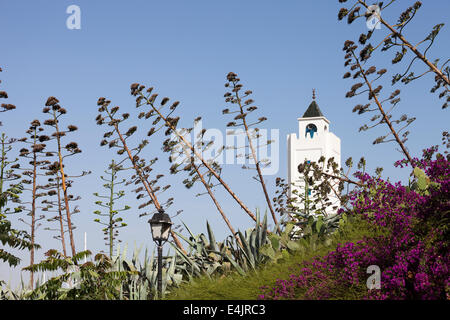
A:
<point x="280" y="50"/>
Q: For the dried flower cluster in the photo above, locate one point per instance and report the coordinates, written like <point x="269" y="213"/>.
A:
<point x="396" y="39"/>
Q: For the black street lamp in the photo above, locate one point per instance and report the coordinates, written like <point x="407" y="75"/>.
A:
<point x="160" y="225"/>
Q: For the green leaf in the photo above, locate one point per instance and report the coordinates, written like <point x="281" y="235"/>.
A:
<point x="289" y="228"/>
<point x="93" y="274"/>
<point x="275" y="241"/>
<point x="319" y="223"/>
<point x="212" y="239"/>
<point x="419" y="173"/>
<point x="293" y="245"/>
<point x="235" y="265"/>
<point x="422" y="183"/>
<point x="246" y="250"/>
<point x="267" y="251"/>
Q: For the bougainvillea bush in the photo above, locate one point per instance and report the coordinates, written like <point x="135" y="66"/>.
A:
<point x="412" y="254"/>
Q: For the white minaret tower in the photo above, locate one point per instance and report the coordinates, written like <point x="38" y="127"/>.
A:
<point x="314" y="140"/>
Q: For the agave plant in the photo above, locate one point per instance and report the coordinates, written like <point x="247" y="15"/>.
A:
<point x="249" y="255"/>
<point x="7" y="293"/>
<point x="207" y="257"/>
<point x="23" y="291"/>
<point x="142" y="283"/>
<point x="203" y="256"/>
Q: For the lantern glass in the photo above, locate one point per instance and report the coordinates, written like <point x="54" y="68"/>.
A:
<point x="165" y="230"/>
<point x="160" y="226"/>
<point x="156" y="231"/>
<point x="160" y="231"/>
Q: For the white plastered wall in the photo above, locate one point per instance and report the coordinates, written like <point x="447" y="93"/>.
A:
<point x="303" y="147"/>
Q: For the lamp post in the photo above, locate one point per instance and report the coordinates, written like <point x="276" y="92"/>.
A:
<point x="160" y="225"/>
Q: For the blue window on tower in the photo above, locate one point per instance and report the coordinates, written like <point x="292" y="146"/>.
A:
<point x="311" y="129"/>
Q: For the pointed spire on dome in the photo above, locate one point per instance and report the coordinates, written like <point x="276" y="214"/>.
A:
<point x="313" y="109"/>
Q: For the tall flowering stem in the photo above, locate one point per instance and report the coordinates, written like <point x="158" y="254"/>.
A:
<point x="396" y="38"/>
<point x="373" y="93"/>
<point x="55" y="111"/>
<point x="244" y="108"/>
<point x="139" y="165"/>
<point x="171" y="124"/>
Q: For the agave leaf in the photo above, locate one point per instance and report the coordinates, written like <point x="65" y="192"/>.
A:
<point x="213" y="256"/>
<point x="128" y="266"/>
<point x="117" y="251"/>
<point x="189" y="230"/>
<point x="263" y="238"/>
<point x="187" y="259"/>
<point x="212" y="239"/>
<point x="246" y="250"/>
<point x="124" y="253"/>
<point x="253" y="248"/>
<point x="202" y="244"/>
<point x="235" y="265"/>
<point x="276" y="227"/>
<point x="257" y="228"/>
<point x="189" y="242"/>
<point x="136" y="253"/>
<point x="172" y="265"/>
<point x="258" y="237"/>
<point x="177" y="278"/>
<point x="150" y="274"/>
<point x="212" y="268"/>
<point x="144" y="268"/>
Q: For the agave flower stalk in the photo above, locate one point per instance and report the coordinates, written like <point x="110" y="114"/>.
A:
<point x="234" y="98"/>
<point x="396" y="39"/>
<point x="6" y="146"/>
<point x="138" y="164"/>
<point x="4" y="95"/>
<point x="54" y="186"/>
<point x="56" y="111"/>
<point x="216" y="203"/>
<point x="170" y="123"/>
<point x="374" y="95"/>
<point x="7" y="168"/>
<point x="19" y="239"/>
<point x="37" y="151"/>
<point x="396" y="33"/>
<point x="57" y="206"/>
<point x="194" y="170"/>
<point x="114" y="223"/>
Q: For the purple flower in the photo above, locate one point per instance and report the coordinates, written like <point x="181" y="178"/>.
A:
<point x="413" y="253"/>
